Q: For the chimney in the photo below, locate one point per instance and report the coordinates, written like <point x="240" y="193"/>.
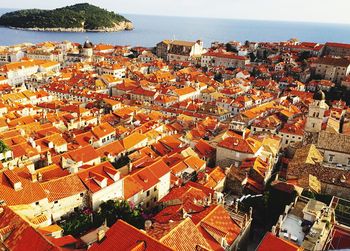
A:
<point x="280" y="219"/>
<point x="148" y="225"/>
<point x="273" y="230"/>
<point x="63" y="162"/>
<point x="209" y="199"/>
<point x="91" y="141"/>
<point x="129" y="167"/>
<point x="38" y="148"/>
<point x="49" y="158"/>
<point x="34" y="177"/>
<point x="224" y="243"/>
<point x="101" y="233"/>
<point x="39" y="177"/>
<point x="32" y="142"/>
<point x="206" y="177"/>
<point x="184" y="213"/>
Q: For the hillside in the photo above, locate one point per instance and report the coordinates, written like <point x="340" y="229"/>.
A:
<point x="78" y="17"/>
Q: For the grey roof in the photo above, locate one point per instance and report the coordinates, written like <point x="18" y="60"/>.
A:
<point x="334" y="142"/>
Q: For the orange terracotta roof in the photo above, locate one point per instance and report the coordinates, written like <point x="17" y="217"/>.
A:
<point x="71" y="183"/>
<point x="181" y="235"/>
<point x="220" y="221"/>
<point x="195" y="162"/>
<point x="215" y="176"/>
<point x="30" y="192"/>
<point x="271" y="242"/>
<point x="113" y="148"/>
<point x="241" y="145"/>
<point x="98" y="172"/>
<point x="132" y="140"/>
<point x="131" y="187"/>
<point x="21" y="235"/>
<point x="145" y="178"/>
<point x="122" y="236"/>
<point x="103" y="130"/>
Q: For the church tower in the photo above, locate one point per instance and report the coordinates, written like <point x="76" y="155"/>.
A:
<point x="87" y="49"/>
<point x="316" y="113"/>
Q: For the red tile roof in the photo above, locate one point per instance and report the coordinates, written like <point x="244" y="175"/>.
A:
<point x="103" y="130"/>
<point x="99" y="172"/>
<point x="185" y="236"/>
<point x="71" y="183"/>
<point x="113" y="148"/>
<point x="240" y="145"/>
<point x="131" y="187"/>
<point x="31" y="191"/>
<point x="273" y="243"/>
<point x="219" y="222"/>
<point x="122" y="236"/>
<point x="21" y="236"/>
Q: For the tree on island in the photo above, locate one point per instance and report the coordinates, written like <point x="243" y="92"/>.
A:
<point x="82" y="15"/>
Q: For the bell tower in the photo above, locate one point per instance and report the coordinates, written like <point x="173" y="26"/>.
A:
<point x="316" y="113"/>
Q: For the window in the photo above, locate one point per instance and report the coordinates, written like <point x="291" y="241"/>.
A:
<point x="37" y="203"/>
<point x="81" y="194"/>
<point x="331" y="157"/>
<point x="155" y="188"/>
<point x="147" y="205"/>
<point x="148" y="193"/>
<point x="154" y="199"/>
<point x="56" y="201"/>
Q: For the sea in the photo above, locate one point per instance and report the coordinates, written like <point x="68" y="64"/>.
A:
<point x="149" y="30"/>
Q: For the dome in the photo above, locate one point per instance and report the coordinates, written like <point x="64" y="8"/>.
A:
<point x="319" y="95"/>
<point x="88" y="45"/>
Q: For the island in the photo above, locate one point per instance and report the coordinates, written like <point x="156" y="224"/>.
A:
<point x="82" y="17"/>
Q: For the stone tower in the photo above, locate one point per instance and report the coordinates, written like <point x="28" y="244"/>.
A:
<point x="87" y="49"/>
<point x="316" y="113"/>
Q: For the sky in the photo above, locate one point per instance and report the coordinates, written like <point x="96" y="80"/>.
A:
<point x="326" y="11"/>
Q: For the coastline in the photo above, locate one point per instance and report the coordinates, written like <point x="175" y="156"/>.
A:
<point x="122" y="26"/>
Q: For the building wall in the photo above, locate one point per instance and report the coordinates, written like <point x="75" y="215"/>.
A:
<point x="335" y="190"/>
<point x="66" y="205"/>
<point x="150" y="197"/>
<point x="331" y="72"/>
<point x="111" y="192"/>
<point x="315" y="116"/>
<point x="289" y="138"/>
<point x="336" y="158"/>
<point x="226" y="157"/>
<point x="164" y="186"/>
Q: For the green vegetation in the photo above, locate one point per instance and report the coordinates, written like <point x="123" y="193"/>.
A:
<point x="320" y="197"/>
<point x="83" y="15"/>
<point x="77" y="223"/>
<point x="82" y="221"/>
<point x="3" y="147"/>
<point x="110" y="211"/>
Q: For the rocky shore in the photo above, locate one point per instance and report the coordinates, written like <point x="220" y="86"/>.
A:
<point x="121" y="26"/>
